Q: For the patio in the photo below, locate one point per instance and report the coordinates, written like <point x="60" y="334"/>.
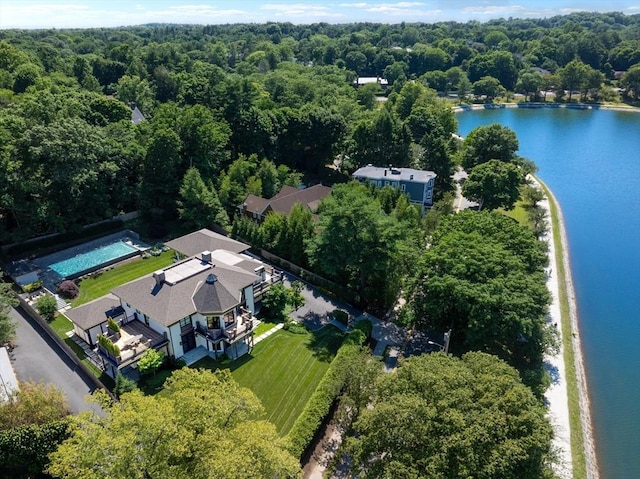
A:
<point x="133" y="340"/>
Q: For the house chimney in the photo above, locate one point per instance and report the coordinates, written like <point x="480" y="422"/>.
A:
<point x="159" y="277"/>
<point x="206" y="257"/>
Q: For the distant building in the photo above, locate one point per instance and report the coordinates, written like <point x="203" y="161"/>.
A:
<point x="257" y="208"/>
<point x="8" y="380"/>
<point x="360" y="81"/>
<point x="136" y="115"/>
<point x="418" y="184"/>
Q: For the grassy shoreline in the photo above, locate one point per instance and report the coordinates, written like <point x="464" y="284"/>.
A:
<point x="582" y="452"/>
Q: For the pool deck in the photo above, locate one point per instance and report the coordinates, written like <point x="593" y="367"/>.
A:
<point x="29" y="268"/>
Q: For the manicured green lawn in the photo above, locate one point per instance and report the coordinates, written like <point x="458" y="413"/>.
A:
<point x="518" y="213"/>
<point x="61" y="325"/>
<point x="92" y="288"/>
<point x="284" y="370"/>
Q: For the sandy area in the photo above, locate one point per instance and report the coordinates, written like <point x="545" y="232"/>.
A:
<point x="556" y="395"/>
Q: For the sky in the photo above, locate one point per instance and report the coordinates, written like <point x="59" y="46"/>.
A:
<point x="112" y="13"/>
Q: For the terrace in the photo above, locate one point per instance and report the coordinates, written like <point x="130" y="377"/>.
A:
<point x="133" y="340"/>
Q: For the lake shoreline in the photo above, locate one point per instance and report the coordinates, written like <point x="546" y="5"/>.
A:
<point x="536" y="105"/>
<point x="570" y="324"/>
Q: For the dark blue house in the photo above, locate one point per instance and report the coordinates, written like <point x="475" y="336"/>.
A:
<point x="418" y="184"/>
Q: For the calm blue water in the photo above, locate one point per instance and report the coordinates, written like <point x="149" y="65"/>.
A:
<point x="84" y="261"/>
<point x="591" y="162"/>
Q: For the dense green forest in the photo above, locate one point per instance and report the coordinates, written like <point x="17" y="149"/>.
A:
<point x="278" y="92"/>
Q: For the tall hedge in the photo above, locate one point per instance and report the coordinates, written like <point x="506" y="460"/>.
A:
<point x="24" y="450"/>
<point x="307" y="424"/>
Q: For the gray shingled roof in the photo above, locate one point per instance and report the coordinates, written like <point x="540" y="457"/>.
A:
<point x="93" y="313"/>
<point x="309" y="196"/>
<point x="205" y="240"/>
<point x="168" y="304"/>
<point x="394" y="174"/>
<point x="213" y="298"/>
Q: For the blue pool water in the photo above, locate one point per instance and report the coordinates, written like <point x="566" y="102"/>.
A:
<point x="91" y="259"/>
<point x="591" y="162"/>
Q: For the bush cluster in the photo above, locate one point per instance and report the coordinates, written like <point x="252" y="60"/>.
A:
<point x="31" y="287"/>
<point x="24" y="450"/>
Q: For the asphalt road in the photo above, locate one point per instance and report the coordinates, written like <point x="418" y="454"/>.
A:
<point x="39" y="358"/>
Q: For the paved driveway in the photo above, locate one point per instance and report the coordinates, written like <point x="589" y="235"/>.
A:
<point x="315" y="311"/>
<point x="39" y="358"/>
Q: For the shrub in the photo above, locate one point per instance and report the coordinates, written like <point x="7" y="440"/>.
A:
<point x="112" y="325"/>
<point x="68" y="289"/>
<point x="31" y="287"/>
<point x="108" y="346"/>
<point x="123" y="385"/>
<point x="24" y="450"/>
<point x="365" y="326"/>
<point x="47" y="307"/>
<point x="295" y="328"/>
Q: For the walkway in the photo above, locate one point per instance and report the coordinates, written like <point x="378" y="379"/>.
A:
<point x="266" y="334"/>
<point x="556" y="395"/>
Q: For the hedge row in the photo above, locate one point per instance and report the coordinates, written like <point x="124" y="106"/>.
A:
<point x="307" y="424"/>
<point x="68" y="238"/>
<point x="24" y="450"/>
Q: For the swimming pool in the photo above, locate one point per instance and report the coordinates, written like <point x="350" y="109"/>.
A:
<point x="89" y="260"/>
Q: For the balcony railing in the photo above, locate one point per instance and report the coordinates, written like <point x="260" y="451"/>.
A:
<point x="231" y="333"/>
<point x="260" y="287"/>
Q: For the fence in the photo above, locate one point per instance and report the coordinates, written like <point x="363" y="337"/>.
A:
<point x="327" y="286"/>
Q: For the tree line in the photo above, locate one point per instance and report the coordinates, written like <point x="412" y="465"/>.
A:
<point x="281" y="92"/>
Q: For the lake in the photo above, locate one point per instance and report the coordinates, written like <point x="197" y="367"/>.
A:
<point x="591" y="162"/>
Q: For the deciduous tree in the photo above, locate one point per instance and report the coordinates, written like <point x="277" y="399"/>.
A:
<point x="494" y="184"/>
<point x="356" y="244"/>
<point x="33" y="404"/>
<point x="491" y="142"/>
<point x="150" y="361"/>
<point x="483" y="277"/>
<point x="203" y="426"/>
<point x="444" y="417"/>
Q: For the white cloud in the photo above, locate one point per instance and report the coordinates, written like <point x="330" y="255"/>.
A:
<point x="304" y="10"/>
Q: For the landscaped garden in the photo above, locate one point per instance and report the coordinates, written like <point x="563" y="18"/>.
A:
<point x="283" y="371"/>
<point x="98" y="285"/>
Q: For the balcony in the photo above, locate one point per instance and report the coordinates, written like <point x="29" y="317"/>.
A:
<point x="272" y="276"/>
<point x="232" y="331"/>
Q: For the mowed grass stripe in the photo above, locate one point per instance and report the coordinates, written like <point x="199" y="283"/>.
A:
<point x="298" y="385"/>
<point x="95" y="287"/>
<point x="283" y="371"/>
